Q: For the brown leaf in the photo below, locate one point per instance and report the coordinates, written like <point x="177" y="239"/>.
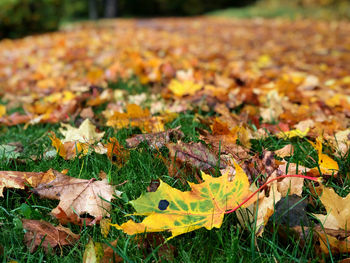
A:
<point x="149" y="242"/>
<point x="194" y="154"/>
<point x="287" y="150"/>
<point x="41" y="232"/>
<point x="155" y="140"/>
<point x="73" y="218"/>
<point x="153" y="186"/>
<point x="77" y="195"/>
<point x="225" y="144"/>
<point x="13" y="179"/>
<point x="116" y="152"/>
<point x="337" y="240"/>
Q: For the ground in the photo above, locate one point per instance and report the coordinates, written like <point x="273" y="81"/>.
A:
<point x="221" y="91"/>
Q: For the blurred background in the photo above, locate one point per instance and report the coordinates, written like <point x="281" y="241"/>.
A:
<point x="23" y="17"/>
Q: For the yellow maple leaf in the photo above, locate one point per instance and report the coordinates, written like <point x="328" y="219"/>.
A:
<point x="186" y="87"/>
<point x="338" y="210"/>
<point x="293" y="133"/>
<point x="2" y="110"/>
<point x="169" y="209"/>
<point x="135" y="116"/>
<point x="326" y="164"/>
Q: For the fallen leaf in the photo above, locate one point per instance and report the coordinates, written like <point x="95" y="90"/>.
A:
<point x="340" y="142"/>
<point x="155" y="140"/>
<point x="105" y="225"/>
<point x="116" y="152"/>
<point x="86" y="133"/>
<point x="2" y="110"/>
<point x="135" y="116"/>
<point x="41" y="233"/>
<point x="77" y="196"/>
<point x="169" y="209"/>
<point x="19" y="180"/>
<point x="338" y="210"/>
<point x="287" y="150"/>
<point x="96" y="252"/>
<point x="194" y="154"/>
<point x="326" y="164"/>
<point x="293" y="133"/>
<point x="182" y="88"/>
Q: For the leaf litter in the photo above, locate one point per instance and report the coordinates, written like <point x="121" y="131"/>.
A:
<point x="290" y="87"/>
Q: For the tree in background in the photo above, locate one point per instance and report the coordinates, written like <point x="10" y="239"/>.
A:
<point x="110" y="8"/>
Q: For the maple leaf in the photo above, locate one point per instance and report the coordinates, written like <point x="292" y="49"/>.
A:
<point x="293" y="133"/>
<point x="186" y="87"/>
<point x="181" y="212"/>
<point x="86" y="133"/>
<point x="77" y="196"/>
<point x="338" y="210"/>
<point x="155" y="140"/>
<point x="194" y="154"/>
<point x="135" y="116"/>
<point x="116" y="152"/>
<point x="19" y="180"/>
<point x="41" y="233"/>
<point x="326" y="164"/>
<point x="77" y="140"/>
<point x="2" y="110"/>
<point x="96" y="252"/>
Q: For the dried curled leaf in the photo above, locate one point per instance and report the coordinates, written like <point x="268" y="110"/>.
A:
<point x="116" y="152"/>
<point x="169" y="209"/>
<point x="19" y="180"/>
<point x="135" y="116"/>
<point x="77" y="196"/>
<point x="86" y="133"/>
<point x="41" y="233"/>
<point x="194" y="154"/>
<point x="155" y="140"/>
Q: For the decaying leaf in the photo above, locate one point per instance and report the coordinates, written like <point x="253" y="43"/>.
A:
<point x="338" y="210"/>
<point x="194" y="154"/>
<point x="86" y="133"/>
<point x="96" y="252"/>
<point x="326" y="164"/>
<point x="186" y="87"/>
<point x="19" y="180"/>
<point x="78" y="140"/>
<point x="287" y="150"/>
<point x="77" y="196"/>
<point x="265" y="207"/>
<point x="116" y="152"/>
<point x="340" y="141"/>
<point x="292" y="133"/>
<point x="135" y="116"/>
<point x="41" y="233"/>
<point x="169" y="209"/>
<point x="149" y="242"/>
<point x="326" y="240"/>
<point x="155" y="140"/>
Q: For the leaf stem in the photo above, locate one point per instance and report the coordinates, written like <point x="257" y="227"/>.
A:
<point x="316" y="179"/>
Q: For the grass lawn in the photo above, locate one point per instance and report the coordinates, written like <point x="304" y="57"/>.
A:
<point x="239" y="83"/>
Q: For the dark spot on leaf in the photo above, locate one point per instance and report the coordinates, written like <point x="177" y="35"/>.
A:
<point x="163" y="205"/>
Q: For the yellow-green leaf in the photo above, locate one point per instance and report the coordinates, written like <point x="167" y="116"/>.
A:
<point x="169" y="209"/>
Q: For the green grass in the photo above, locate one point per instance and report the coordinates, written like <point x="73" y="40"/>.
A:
<point x="287" y="10"/>
<point x="233" y="242"/>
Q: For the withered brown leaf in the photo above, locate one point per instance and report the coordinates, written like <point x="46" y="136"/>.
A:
<point x="195" y="154"/>
<point x="77" y="195"/>
<point x="44" y="234"/>
<point x="155" y="140"/>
